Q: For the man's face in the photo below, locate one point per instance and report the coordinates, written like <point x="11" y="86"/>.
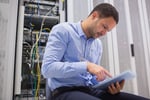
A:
<point x="100" y="26"/>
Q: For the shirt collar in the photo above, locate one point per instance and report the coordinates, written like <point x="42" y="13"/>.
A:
<point x="80" y="30"/>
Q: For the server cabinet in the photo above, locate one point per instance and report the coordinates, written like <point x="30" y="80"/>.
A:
<point x="36" y="18"/>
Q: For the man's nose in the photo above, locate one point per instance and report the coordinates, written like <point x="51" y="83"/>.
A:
<point x="104" y="32"/>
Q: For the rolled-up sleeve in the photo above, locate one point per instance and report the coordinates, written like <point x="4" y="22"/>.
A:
<point x="52" y="65"/>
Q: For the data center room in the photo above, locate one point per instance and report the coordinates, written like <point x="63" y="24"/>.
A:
<point x="26" y="25"/>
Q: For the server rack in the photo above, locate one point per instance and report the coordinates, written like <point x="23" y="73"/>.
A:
<point x="36" y="18"/>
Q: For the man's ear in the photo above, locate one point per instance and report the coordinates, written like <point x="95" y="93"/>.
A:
<point x="94" y="15"/>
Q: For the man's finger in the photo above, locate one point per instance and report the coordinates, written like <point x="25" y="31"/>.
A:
<point x="101" y="76"/>
<point x="107" y="73"/>
<point x="110" y="90"/>
<point x="118" y="86"/>
<point x="122" y="84"/>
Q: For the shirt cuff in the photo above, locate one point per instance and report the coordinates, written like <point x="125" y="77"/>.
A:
<point x="81" y="67"/>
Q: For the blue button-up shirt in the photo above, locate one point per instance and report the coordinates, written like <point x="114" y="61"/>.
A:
<point x="66" y="55"/>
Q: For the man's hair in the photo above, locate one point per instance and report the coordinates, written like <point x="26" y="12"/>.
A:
<point x="106" y="10"/>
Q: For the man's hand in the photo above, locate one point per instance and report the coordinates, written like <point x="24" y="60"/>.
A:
<point x="98" y="71"/>
<point x="115" y="88"/>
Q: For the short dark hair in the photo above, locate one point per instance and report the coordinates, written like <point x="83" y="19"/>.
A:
<point x="106" y="10"/>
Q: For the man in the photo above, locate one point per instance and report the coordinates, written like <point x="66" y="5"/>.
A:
<point x="72" y="56"/>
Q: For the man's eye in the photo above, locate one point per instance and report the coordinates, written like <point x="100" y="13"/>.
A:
<point x="104" y="27"/>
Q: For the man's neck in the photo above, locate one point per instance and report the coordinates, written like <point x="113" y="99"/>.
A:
<point x="84" y="28"/>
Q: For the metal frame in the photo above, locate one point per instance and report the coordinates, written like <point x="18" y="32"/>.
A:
<point x="146" y="36"/>
<point x="130" y="39"/>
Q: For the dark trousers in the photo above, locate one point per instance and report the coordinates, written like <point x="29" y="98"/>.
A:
<point x="91" y="94"/>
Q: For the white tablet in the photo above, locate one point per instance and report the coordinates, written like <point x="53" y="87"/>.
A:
<point x="126" y="75"/>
